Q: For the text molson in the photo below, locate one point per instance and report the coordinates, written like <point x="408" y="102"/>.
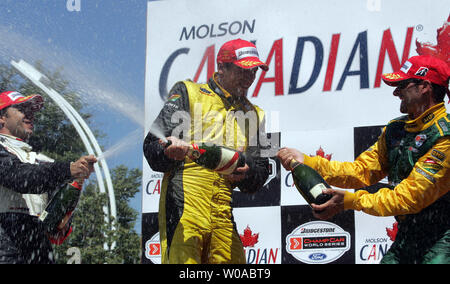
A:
<point x="359" y="53"/>
<point x="222" y="29"/>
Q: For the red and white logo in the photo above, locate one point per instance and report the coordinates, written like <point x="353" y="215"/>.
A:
<point x="295" y="243"/>
<point x="420" y="139"/>
<point x="15" y="95"/>
<point x="153" y="249"/>
<point x="422" y="72"/>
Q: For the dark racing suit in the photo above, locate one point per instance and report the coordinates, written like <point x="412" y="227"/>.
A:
<point x="415" y="155"/>
<point x="27" y="179"/>
<point x="195" y="217"/>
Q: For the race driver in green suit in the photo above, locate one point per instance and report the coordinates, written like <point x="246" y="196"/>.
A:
<point x="413" y="151"/>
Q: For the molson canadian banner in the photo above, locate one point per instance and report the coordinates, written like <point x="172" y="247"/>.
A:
<point x="323" y="94"/>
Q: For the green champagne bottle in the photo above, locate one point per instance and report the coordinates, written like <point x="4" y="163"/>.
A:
<point x="217" y="158"/>
<point x="309" y="183"/>
<point x="62" y="203"/>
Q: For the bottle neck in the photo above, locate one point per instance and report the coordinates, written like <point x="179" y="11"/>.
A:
<point x="194" y="152"/>
<point x="294" y="163"/>
<point x="77" y="184"/>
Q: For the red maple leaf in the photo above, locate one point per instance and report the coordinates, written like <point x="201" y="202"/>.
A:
<point x="392" y="233"/>
<point x="321" y="153"/>
<point x="248" y="238"/>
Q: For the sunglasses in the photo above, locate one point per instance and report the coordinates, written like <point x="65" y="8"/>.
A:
<point x="404" y="84"/>
<point x="25" y="109"/>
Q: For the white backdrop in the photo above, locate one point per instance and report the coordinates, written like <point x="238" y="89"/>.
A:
<point x="296" y="39"/>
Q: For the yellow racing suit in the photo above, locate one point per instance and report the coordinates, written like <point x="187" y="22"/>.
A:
<point x="195" y="216"/>
<point x="415" y="155"/>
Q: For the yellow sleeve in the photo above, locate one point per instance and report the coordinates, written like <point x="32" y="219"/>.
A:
<point x="428" y="181"/>
<point x="368" y="168"/>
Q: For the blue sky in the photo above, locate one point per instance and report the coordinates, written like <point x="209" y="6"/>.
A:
<point x="105" y="38"/>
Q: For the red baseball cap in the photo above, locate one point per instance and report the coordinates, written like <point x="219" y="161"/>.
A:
<point x="242" y="53"/>
<point x="15" y="98"/>
<point x="424" y="67"/>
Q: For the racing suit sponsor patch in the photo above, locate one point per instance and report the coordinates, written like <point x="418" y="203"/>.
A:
<point x="172" y="105"/>
<point x="431" y="166"/>
<point x="206" y="92"/>
<point x="428" y="118"/>
<point x="443" y="126"/>
<point x="438" y="155"/>
<point x="426" y="175"/>
<point x="420" y="139"/>
<point x="173" y="97"/>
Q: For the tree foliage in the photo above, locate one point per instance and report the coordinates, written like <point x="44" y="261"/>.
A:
<point x="93" y="234"/>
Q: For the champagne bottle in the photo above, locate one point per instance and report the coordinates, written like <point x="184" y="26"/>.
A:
<point x="217" y="158"/>
<point x="62" y="203"/>
<point x="309" y="183"/>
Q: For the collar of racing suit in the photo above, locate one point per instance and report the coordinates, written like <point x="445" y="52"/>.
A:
<point x="241" y="102"/>
<point x="14" y="142"/>
<point x="426" y="119"/>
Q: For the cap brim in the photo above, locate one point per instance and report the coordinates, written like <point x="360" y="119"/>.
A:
<point x="393" y="79"/>
<point x="251" y="62"/>
<point x="36" y="101"/>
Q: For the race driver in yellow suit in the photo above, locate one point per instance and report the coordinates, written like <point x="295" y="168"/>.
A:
<point x="195" y="216"/>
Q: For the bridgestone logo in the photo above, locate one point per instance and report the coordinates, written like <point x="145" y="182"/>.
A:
<point x="321" y="230"/>
<point x="246" y="52"/>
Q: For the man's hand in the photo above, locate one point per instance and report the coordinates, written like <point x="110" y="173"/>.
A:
<point x="177" y="150"/>
<point x="330" y="208"/>
<point x="238" y="175"/>
<point x="285" y="155"/>
<point x="83" y="167"/>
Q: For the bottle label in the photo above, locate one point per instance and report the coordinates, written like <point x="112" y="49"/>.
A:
<point x="43" y="215"/>
<point x="317" y="189"/>
<point x="228" y="162"/>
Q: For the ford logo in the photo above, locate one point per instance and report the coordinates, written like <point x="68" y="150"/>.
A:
<point x="317" y="256"/>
